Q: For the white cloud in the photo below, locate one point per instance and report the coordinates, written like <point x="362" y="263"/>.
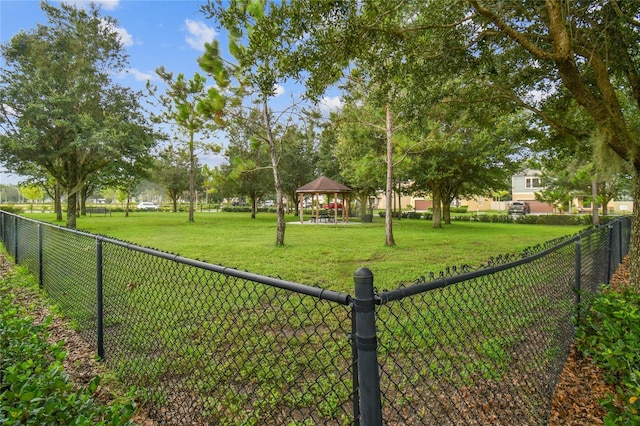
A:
<point x="137" y="75"/>
<point x="278" y="90"/>
<point x="109" y="4"/>
<point x="106" y="4"/>
<point x="329" y="104"/>
<point x="198" y="34"/>
<point x="125" y="38"/>
<point x="9" y="110"/>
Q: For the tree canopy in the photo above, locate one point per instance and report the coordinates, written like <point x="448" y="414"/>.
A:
<point x="535" y="56"/>
<point x="60" y="110"/>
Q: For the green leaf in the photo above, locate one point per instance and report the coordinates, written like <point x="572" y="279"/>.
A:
<point x="256" y="9"/>
<point x="93" y="384"/>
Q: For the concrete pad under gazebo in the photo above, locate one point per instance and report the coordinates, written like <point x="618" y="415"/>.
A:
<point x="324" y="185"/>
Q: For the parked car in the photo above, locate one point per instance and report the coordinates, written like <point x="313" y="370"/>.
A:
<point x="519" y="207"/>
<point x="332" y="206"/>
<point x="145" y="205"/>
<point x="269" y="203"/>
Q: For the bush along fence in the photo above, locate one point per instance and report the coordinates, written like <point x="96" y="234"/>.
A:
<point x="206" y="344"/>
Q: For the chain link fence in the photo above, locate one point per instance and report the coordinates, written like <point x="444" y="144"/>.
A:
<point x="212" y="345"/>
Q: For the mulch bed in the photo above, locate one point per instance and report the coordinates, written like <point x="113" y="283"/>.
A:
<point x="581" y="387"/>
<point x="576" y="400"/>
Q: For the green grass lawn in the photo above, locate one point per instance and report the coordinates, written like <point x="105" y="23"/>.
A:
<point x="244" y="351"/>
<point x="325" y="255"/>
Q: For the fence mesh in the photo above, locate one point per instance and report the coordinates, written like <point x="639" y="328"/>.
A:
<point x="28" y="245"/>
<point x="213" y="346"/>
<point x="483" y="351"/>
<point x="69" y="277"/>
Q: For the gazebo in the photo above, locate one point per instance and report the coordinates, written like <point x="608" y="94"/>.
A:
<point x="324" y="185"/>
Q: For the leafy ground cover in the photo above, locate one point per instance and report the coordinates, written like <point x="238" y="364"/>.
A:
<point x="600" y="381"/>
<point x="610" y="335"/>
<point x="34" y="364"/>
<point x="327" y="255"/>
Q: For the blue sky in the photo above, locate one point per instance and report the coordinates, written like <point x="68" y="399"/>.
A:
<point x="153" y="32"/>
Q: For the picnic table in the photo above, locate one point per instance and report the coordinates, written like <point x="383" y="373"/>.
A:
<point x="98" y="210"/>
<point x="323" y="216"/>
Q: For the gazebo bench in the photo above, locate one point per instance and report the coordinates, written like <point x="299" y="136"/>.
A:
<point x="322" y="217"/>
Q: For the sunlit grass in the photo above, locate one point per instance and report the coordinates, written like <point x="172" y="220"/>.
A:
<point x="321" y="254"/>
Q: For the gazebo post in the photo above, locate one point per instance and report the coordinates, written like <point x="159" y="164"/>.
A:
<point x="345" y="208"/>
<point x="301" y="201"/>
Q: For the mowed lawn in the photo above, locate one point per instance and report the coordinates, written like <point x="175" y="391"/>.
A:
<point x="324" y="255"/>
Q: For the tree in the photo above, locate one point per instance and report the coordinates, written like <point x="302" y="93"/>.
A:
<point x="522" y="52"/>
<point x="248" y="165"/>
<point x="593" y="49"/>
<point x="60" y="111"/>
<point x="255" y="76"/>
<point x="210" y="184"/>
<point x="32" y="193"/>
<point x="360" y="150"/>
<point x="317" y="42"/>
<point x="170" y="172"/>
<point x="194" y="108"/>
<point x="298" y="157"/>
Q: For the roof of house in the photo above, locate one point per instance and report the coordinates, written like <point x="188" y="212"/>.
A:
<point x="325" y="185"/>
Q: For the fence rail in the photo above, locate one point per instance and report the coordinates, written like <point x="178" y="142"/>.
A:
<point x="214" y="345"/>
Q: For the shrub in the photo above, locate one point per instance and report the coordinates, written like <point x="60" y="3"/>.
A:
<point x="461" y="209"/>
<point x="236" y="209"/>
<point x="610" y="335"/>
<point x="12" y="209"/>
<point x="395" y="215"/>
<point x="412" y="215"/>
<point x="34" y="389"/>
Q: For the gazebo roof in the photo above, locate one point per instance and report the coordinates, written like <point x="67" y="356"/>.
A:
<point x="324" y="185"/>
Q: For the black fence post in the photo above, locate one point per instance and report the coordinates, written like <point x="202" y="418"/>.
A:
<point x="609" y="252"/>
<point x="620" y="250"/>
<point x="15" y="239"/>
<point x="40" y="257"/>
<point x="367" y="344"/>
<point x="578" y="283"/>
<point x="99" y="304"/>
<point x="354" y="371"/>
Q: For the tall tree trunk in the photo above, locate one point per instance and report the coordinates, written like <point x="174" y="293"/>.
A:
<point x="83" y="202"/>
<point x="57" y="202"/>
<point x="192" y="170"/>
<point x="128" y="200"/>
<point x="276" y="174"/>
<point x="253" y="206"/>
<point x="399" y="193"/>
<point x="363" y="197"/>
<point x="634" y="248"/>
<point x="72" y="204"/>
<point x="437" y="209"/>
<point x="388" y="219"/>
<point x="446" y="212"/>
